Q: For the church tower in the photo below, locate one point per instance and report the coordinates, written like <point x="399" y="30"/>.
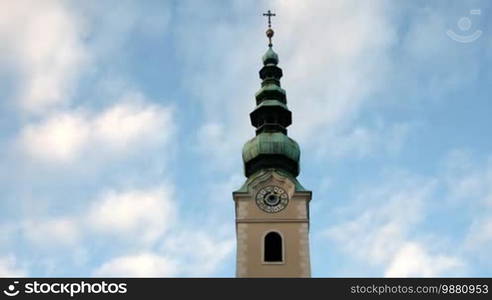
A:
<point x="272" y="207"/>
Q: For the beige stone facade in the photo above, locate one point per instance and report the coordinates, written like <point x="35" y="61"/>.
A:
<point x="291" y="223"/>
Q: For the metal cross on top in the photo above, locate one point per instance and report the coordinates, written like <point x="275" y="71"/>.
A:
<point x="269" y="15"/>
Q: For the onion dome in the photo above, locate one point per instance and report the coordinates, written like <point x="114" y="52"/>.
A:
<point x="271" y="148"/>
<point x="270" y="57"/>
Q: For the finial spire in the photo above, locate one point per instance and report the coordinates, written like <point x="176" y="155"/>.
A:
<point x="269" y="32"/>
<point x="269" y="15"/>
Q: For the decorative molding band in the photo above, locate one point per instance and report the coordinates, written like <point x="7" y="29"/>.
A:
<point x="272" y="220"/>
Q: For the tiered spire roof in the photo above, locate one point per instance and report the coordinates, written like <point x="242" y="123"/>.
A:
<point x="271" y="148"/>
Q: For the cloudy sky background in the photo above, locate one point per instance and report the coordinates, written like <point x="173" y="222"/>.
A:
<point x="122" y="122"/>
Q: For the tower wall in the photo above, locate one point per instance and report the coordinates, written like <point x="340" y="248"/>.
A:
<point x="292" y="223"/>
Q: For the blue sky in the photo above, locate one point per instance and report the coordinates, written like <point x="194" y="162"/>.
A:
<point x="122" y="124"/>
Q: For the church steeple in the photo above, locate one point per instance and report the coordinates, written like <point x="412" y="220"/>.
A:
<point x="272" y="207"/>
<point x="271" y="148"/>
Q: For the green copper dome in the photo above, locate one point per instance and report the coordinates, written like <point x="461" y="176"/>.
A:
<point x="271" y="150"/>
<point x="270" y="57"/>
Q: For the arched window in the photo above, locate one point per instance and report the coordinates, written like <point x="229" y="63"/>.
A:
<point x="273" y="247"/>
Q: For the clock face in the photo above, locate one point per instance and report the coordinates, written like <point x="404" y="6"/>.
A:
<point x="272" y="199"/>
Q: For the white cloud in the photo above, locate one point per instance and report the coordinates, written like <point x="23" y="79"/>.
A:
<point x="42" y="40"/>
<point x="61" y="138"/>
<point x="480" y="234"/>
<point x="413" y="260"/>
<point x="214" y="142"/>
<point x="146" y="218"/>
<point x="469" y="183"/>
<point x="382" y="218"/>
<point x="130" y="124"/>
<point x="190" y="253"/>
<point x="146" y="222"/>
<point x="9" y="268"/>
<point x="380" y="227"/>
<point x="150" y="217"/>
<point x="467" y="179"/>
<point x="133" y="121"/>
<point x="44" y="45"/>
<point x="52" y="232"/>
<point x="429" y="62"/>
<point x="140" y="215"/>
<point x="183" y="253"/>
<point x="198" y="252"/>
<point x="333" y="54"/>
<point x="139" y="265"/>
<point x="364" y="141"/>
